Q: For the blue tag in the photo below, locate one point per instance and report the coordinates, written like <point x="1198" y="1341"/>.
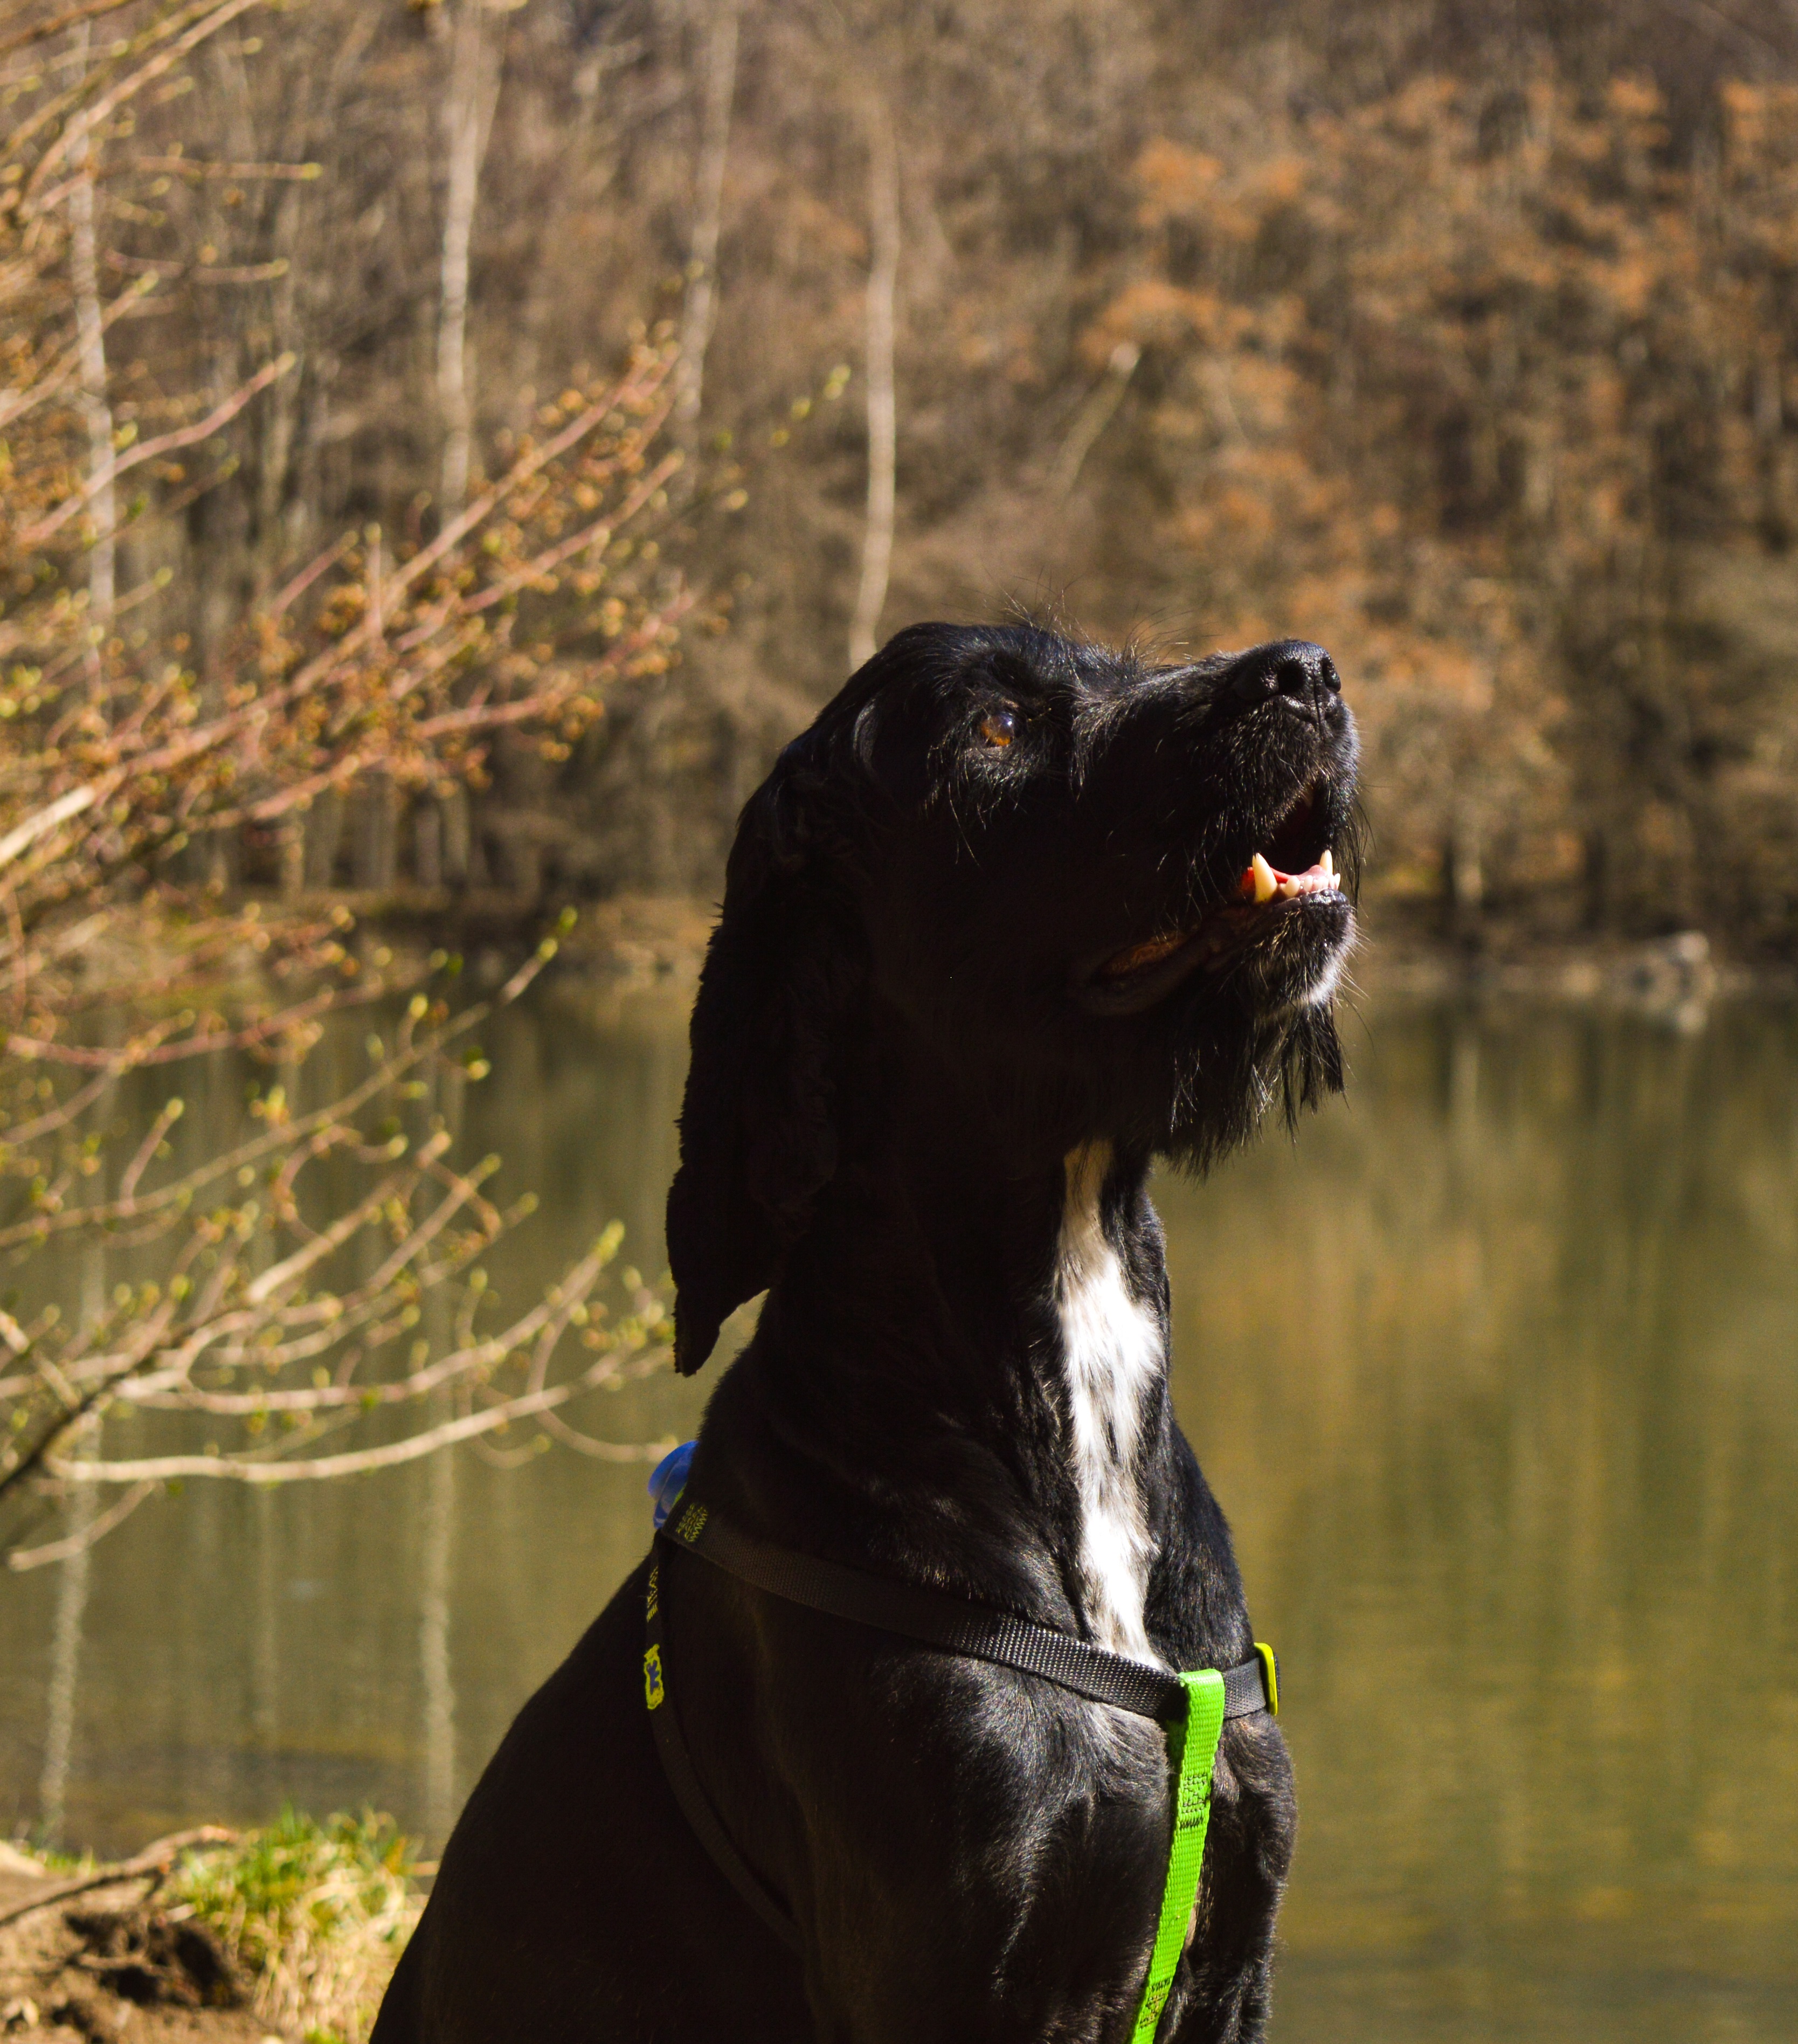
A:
<point x="668" y="1480"/>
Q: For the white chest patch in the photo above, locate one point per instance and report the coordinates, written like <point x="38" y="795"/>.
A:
<point x="1112" y="1347"/>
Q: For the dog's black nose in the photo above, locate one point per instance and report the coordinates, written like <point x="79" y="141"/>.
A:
<point x="1292" y="667"/>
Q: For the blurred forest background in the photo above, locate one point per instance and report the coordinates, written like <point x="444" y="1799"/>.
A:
<point x="1460" y="335"/>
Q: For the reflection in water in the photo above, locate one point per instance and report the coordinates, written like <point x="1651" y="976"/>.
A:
<point x="73" y="1576"/>
<point x="437" y="1806"/>
<point x="72" y="1579"/>
<point x="1496" y="1376"/>
<point x="1494" y="1372"/>
<point x="437" y="1803"/>
<point x="265" y="1641"/>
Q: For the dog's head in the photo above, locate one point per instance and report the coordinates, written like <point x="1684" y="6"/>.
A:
<point x="1103" y="899"/>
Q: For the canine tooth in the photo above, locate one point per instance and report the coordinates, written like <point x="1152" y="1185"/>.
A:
<point x="1266" y="885"/>
<point x="1328" y="863"/>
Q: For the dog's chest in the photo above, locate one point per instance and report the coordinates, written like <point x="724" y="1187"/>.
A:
<point x="1112" y="1358"/>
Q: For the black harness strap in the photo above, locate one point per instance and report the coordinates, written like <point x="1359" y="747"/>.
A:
<point x="696" y="1806"/>
<point x="932" y="1616"/>
<point x="940" y="1620"/>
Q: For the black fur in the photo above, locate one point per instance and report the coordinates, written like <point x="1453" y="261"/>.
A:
<point x="916" y="1009"/>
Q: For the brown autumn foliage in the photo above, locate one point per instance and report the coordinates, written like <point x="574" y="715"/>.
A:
<point x="1479" y="371"/>
<point x="1491" y="397"/>
<point x="1455" y="335"/>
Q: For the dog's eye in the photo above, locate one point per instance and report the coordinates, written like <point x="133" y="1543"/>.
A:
<point x="999" y="726"/>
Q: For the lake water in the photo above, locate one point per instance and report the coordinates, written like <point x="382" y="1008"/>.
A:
<point x="1496" y="1372"/>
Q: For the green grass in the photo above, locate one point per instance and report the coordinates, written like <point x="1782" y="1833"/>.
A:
<point x="317" y="1915"/>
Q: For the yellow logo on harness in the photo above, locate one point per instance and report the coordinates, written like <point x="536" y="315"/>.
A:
<point x="692" y="1523"/>
<point x="654" y="1688"/>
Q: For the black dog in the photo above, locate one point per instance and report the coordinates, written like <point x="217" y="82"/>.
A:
<point x="1012" y="919"/>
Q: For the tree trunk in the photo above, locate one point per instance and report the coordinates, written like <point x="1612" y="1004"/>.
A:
<point x="700" y="309"/>
<point x="437" y="1670"/>
<point x="458" y="835"/>
<point x="883" y="274"/>
<point x="1463" y="870"/>
<point x="293" y="856"/>
<point x="84" y="276"/>
<point x="325" y="828"/>
<point x="281" y="522"/>
<point x="427" y="842"/>
<point x="474" y="87"/>
<point x="377" y="831"/>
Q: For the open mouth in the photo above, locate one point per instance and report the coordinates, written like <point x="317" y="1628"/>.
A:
<point x="1297" y="865"/>
<point x="1262" y="887"/>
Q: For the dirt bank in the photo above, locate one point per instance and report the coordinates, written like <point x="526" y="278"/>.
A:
<point x="268" y="1936"/>
<point x="105" y="1964"/>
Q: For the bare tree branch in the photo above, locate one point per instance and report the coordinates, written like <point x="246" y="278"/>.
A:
<point x="54" y="25"/>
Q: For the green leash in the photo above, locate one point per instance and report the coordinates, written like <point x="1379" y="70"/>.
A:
<point x="1192" y="1749"/>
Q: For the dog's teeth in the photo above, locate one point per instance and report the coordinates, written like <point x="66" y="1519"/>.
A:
<point x="1328" y="863"/>
<point x="1288" y="890"/>
<point x="1266" y="885"/>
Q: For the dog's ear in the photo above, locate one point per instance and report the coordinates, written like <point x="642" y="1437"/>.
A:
<point x="758" y="1131"/>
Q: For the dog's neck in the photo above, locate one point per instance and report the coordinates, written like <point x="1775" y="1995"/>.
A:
<point x="1114" y="1361"/>
<point x="948" y="1298"/>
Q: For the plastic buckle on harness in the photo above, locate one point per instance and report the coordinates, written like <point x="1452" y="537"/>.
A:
<point x="668" y="1479"/>
<point x="1269" y="1674"/>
